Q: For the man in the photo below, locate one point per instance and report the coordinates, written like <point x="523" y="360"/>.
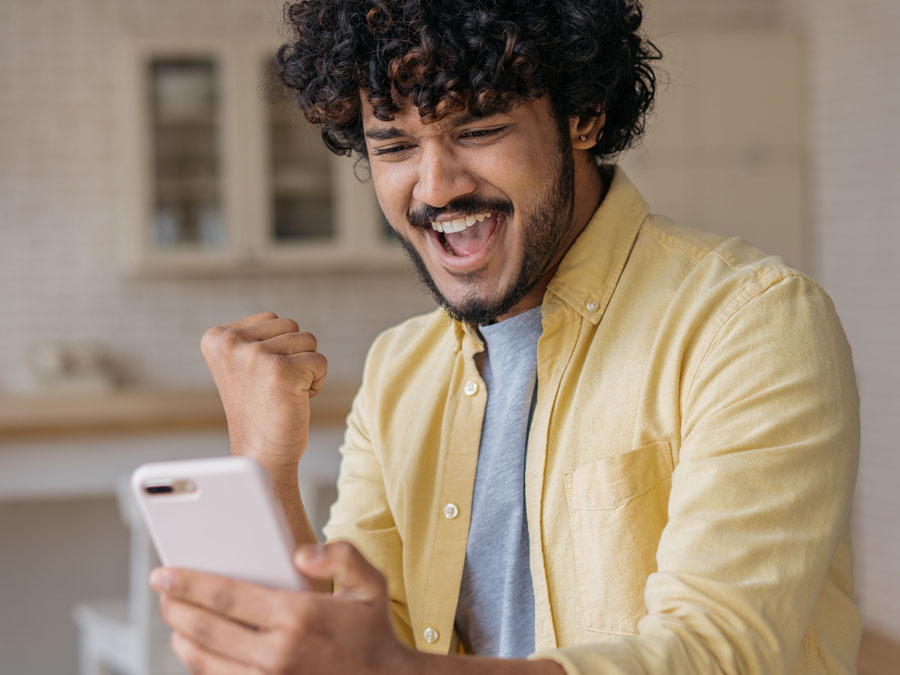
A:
<point x="619" y="446"/>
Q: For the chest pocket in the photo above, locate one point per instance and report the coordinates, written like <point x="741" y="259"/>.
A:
<point x="617" y="511"/>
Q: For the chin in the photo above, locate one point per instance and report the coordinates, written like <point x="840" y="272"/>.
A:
<point x="474" y="298"/>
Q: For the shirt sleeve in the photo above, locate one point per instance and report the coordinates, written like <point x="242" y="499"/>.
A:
<point x="362" y="515"/>
<point x="760" y="497"/>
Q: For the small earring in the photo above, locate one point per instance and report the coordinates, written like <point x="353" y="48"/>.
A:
<point x="583" y="138"/>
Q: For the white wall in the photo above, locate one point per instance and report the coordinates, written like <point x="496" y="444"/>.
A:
<point x="854" y="108"/>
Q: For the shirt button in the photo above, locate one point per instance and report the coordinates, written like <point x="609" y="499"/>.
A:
<point x="592" y="305"/>
<point x="431" y="635"/>
<point x="451" y="510"/>
<point x="471" y="388"/>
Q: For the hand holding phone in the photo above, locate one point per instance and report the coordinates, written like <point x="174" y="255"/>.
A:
<point x="226" y="626"/>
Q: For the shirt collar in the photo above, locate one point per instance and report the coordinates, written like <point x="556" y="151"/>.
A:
<point x="588" y="273"/>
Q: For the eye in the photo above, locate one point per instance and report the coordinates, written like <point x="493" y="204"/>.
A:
<point x="483" y="133"/>
<point x="390" y="150"/>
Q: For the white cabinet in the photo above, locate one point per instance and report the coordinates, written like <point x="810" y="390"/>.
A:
<point x="221" y="172"/>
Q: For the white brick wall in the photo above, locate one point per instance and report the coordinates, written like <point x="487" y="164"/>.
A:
<point x="58" y="233"/>
<point x="854" y="108"/>
<point x="674" y="15"/>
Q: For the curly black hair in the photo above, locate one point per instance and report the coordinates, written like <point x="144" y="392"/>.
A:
<point x="482" y="56"/>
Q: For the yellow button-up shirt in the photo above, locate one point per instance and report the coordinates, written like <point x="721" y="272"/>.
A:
<point x="690" y="467"/>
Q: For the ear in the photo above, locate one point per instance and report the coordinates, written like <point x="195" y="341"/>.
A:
<point x="585" y="131"/>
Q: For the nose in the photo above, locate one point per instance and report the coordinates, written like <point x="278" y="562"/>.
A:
<point x="442" y="177"/>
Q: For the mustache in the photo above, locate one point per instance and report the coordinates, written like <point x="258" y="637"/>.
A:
<point x="463" y="206"/>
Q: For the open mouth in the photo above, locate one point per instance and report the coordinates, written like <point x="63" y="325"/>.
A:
<point x="466" y="236"/>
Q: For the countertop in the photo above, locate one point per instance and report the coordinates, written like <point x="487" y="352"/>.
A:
<point x="139" y="410"/>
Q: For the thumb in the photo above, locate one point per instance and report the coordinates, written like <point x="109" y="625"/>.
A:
<point x="353" y="576"/>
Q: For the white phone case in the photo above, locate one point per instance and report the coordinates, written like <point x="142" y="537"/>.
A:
<point x="217" y="515"/>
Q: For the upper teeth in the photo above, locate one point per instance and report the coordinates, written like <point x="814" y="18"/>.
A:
<point x="459" y="224"/>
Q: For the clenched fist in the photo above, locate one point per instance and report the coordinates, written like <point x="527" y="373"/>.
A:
<point x="266" y="369"/>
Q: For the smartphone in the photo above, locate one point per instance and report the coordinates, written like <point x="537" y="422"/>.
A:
<point x="217" y="515"/>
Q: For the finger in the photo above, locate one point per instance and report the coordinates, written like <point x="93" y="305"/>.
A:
<point x="291" y="343"/>
<point x="215" y="633"/>
<point x="354" y="576"/>
<point x="200" y="660"/>
<point x="248" y="321"/>
<point x="239" y="600"/>
<point x="269" y="328"/>
<point x="232" y="332"/>
<point x="308" y="371"/>
<point x="234" y="337"/>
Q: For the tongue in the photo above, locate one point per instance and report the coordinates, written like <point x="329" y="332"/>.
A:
<point x="470" y="240"/>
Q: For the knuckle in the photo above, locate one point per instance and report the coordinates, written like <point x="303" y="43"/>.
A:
<point x="316" y="362"/>
<point x="179" y="586"/>
<point x="343" y="552"/>
<point x="311" y="339"/>
<point x="230" y="338"/>
<point x="209" y="338"/>
<point x="258" y="351"/>
<point x="201" y="630"/>
<point x="222" y="600"/>
<point x="344" y="549"/>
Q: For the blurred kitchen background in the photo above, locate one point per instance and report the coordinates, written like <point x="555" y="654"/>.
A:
<point x="152" y="184"/>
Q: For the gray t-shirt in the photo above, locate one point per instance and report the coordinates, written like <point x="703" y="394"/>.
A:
<point x="495" y="615"/>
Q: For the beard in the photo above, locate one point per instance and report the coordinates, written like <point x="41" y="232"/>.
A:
<point x="546" y="228"/>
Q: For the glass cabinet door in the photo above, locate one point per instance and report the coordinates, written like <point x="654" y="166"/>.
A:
<point x="186" y="153"/>
<point x="300" y="171"/>
<point x="223" y="172"/>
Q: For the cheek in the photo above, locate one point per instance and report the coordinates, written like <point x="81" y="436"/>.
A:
<point x="393" y="193"/>
<point x="515" y="173"/>
<point x="384" y="198"/>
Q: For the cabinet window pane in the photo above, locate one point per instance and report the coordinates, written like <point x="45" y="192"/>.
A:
<point x="300" y="167"/>
<point x="186" y="148"/>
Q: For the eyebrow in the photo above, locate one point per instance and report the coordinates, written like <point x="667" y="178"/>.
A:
<point x="385" y="134"/>
<point x="388" y="133"/>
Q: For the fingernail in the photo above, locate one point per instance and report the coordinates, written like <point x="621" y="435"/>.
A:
<point x="160" y="580"/>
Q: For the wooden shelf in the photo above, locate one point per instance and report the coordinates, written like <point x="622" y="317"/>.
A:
<point x="138" y="410"/>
